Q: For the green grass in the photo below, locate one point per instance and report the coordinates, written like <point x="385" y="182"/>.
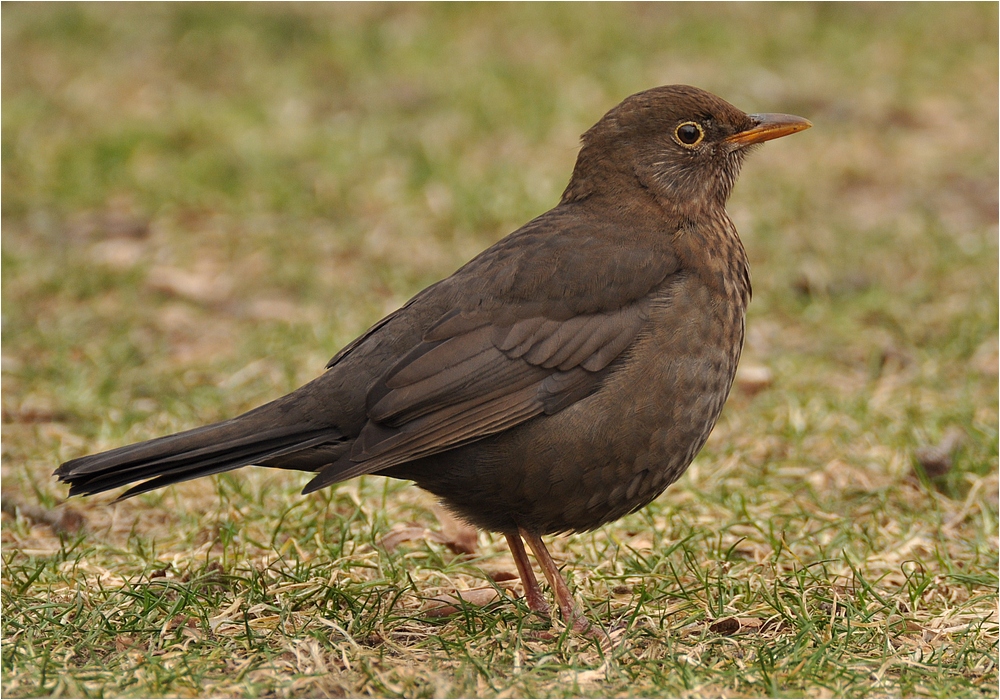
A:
<point x="203" y="202"/>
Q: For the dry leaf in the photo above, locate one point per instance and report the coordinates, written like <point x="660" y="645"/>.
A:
<point x="752" y="379"/>
<point x="64" y="519"/>
<point x="448" y="604"/>
<point x="729" y="626"/>
<point x="936" y="460"/>
<point x="457" y="535"/>
<point x="203" y="286"/>
<point x="33" y="409"/>
<point x="123" y="643"/>
<point x="502" y="576"/>
<point x="119" y="253"/>
<point x="400" y="534"/>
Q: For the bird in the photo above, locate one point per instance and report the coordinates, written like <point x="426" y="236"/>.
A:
<point x="561" y="379"/>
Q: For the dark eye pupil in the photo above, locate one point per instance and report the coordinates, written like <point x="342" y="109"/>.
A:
<point x="688" y="133"/>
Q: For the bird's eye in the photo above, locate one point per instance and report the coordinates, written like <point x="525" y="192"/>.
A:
<point x="689" y="134"/>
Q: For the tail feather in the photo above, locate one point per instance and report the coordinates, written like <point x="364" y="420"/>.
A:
<point x="199" y="452"/>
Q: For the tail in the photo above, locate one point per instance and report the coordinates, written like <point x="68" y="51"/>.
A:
<point x="255" y="437"/>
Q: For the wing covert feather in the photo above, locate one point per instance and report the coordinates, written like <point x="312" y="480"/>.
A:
<point x="447" y="392"/>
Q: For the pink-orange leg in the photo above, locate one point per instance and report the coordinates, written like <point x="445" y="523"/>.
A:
<point x="571" y="611"/>
<point x="532" y="593"/>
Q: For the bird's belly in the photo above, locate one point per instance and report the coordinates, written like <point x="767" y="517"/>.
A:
<point x="608" y="454"/>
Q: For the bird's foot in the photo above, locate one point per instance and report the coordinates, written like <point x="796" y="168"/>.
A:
<point x="581" y="625"/>
<point x="571" y="611"/>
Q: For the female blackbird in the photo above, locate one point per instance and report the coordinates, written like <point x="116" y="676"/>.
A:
<point x="561" y="379"/>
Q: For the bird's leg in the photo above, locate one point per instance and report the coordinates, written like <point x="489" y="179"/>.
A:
<point x="532" y="593"/>
<point x="571" y="611"/>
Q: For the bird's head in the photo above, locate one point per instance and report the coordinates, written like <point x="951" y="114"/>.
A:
<point x="683" y="145"/>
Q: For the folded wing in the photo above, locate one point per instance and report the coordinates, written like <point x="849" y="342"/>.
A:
<point x="469" y="379"/>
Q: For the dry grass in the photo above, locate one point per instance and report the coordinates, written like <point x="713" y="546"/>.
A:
<point x="202" y="203"/>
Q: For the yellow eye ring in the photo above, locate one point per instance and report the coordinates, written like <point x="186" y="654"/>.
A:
<point x="689" y="134"/>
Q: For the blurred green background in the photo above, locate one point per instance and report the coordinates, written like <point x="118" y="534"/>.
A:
<point x="203" y="202"/>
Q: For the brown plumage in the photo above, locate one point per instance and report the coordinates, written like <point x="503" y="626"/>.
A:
<point x="561" y="379"/>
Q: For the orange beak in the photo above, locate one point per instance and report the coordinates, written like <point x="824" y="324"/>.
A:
<point x="767" y="127"/>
